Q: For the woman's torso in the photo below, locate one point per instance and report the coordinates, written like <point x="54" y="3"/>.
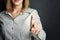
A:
<point x="18" y="28"/>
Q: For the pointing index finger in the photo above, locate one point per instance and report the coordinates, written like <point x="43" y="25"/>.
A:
<point x="31" y="22"/>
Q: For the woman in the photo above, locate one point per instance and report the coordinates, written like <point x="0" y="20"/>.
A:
<point x="19" y="22"/>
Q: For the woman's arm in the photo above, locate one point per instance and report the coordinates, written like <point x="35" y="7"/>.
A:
<point x="0" y="31"/>
<point x="41" y="35"/>
<point x="2" y="37"/>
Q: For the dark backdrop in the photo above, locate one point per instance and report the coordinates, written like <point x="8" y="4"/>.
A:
<point x="49" y="11"/>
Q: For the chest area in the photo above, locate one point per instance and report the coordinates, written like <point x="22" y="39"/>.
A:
<point x="20" y="24"/>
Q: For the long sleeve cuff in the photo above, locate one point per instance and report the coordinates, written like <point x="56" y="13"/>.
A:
<point x="40" y="36"/>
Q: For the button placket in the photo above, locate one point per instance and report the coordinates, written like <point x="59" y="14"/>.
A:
<point x="20" y="36"/>
<point x="12" y="29"/>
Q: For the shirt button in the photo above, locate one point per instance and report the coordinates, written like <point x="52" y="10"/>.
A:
<point x="12" y="37"/>
<point x="12" y="28"/>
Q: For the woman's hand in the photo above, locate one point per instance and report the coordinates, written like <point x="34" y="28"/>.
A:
<point x="34" y="26"/>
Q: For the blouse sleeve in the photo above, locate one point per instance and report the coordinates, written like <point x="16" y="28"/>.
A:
<point x="1" y="33"/>
<point x="41" y="35"/>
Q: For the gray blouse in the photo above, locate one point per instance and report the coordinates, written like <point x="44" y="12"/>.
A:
<point x="19" y="28"/>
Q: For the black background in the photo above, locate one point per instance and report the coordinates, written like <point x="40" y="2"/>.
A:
<point x="49" y="12"/>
